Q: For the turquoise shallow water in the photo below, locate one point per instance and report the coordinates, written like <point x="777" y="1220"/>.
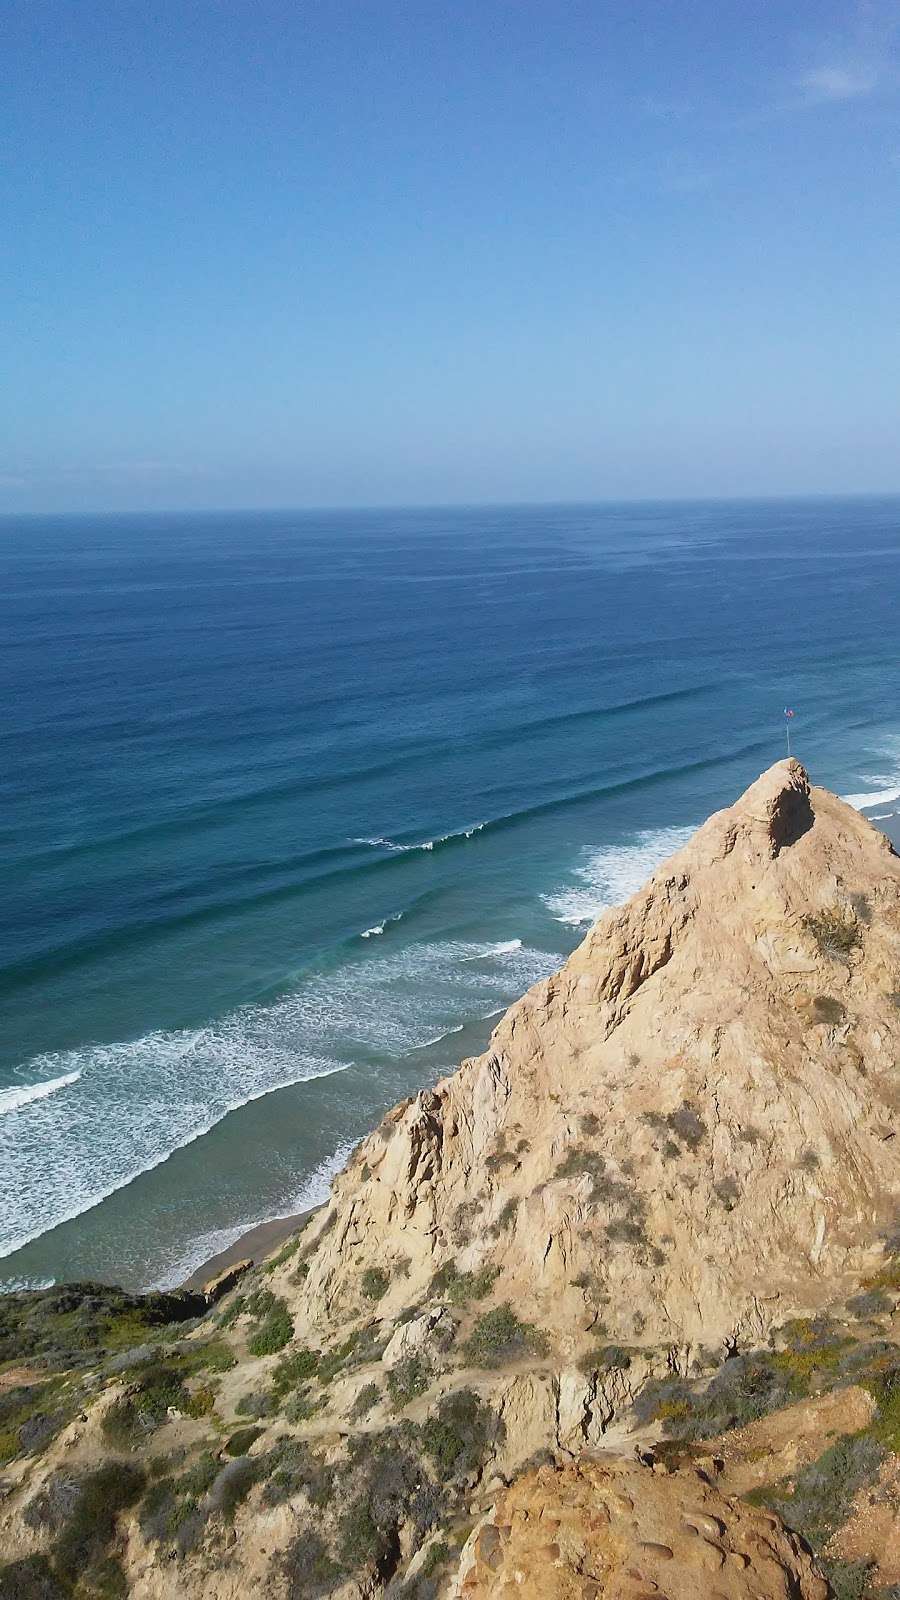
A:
<point x="293" y="804"/>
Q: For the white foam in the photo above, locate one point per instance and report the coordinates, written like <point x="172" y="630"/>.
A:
<point x="873" y="797"/>
<point x="15" y="1099"/>
<point x="24" y="1285"/>
<point x="379" y="927"/>
<point x="131" y="1103"/>
<point x="379" y="842"/>
<point x="609" y="875"/>
<point x="447" y="1033"/>
<point x="882" y="787"/>
<point x="507" y="947"/>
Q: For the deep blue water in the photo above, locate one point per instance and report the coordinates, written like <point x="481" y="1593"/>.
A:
<point x="293" y="802"/>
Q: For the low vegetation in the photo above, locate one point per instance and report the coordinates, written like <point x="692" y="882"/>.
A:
<point x="835" y="930"/>
<point x="275" y="1326"/>
<point x="80" y="1513"/>
<point x="458" y="1288"/>
<point x="499" y="1336"/>
<point x="374" y="1283"/>
<point x="409" y="1378"/>
<point x="682" y="1129"/>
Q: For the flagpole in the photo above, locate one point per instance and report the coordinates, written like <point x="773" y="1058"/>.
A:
<point x="787" y="729"/>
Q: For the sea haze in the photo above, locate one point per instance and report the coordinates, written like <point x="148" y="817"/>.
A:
<point x="294" y="804"/>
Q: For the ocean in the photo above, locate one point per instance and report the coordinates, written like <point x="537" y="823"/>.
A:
<point x="295" y="803"/>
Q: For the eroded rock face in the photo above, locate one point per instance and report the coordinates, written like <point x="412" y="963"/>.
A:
<point x="689" y="1132"/>
<point x="604" y="1529"/>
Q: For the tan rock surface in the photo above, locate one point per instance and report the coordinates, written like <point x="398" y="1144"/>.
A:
<point x="686" y="1134"/>
<point x="606" y="1530"/>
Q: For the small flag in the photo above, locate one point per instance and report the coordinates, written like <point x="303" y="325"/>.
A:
<point x="788" y="712"/>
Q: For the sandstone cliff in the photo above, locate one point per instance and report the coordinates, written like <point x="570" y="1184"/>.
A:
<point x="623" y="1224"/>
<point x="686" y="1133"/>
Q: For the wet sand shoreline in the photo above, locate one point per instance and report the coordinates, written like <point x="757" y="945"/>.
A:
<point x="252" y="1245"/>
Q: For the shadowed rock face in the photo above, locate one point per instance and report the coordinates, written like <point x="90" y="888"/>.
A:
<point x="604" y="1530"/>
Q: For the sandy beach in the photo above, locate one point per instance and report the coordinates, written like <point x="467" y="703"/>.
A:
<point x="254" y="1245"/>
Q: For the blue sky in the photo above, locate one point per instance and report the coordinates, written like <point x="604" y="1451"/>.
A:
<point x="325" y="253"/>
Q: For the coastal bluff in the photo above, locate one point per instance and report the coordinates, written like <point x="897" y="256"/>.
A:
<point x="524" y="1346"/>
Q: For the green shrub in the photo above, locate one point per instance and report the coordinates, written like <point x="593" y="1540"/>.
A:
<point x="308" y="1569"/>
<point x="216" y="1356"/>
<point x="240" y="1441"/>
<point x="145" y="1408"/>
<point x="455" y="1437"/>
<point x="361" y="1538"/>
<point x="171" y="1507"/>
<point x="301" y="1407"/>
<point x="261" y="1303"/>
<point x="288" y="1249"/>
<point x="293" y="1369"/>
<point x="292" y="1467"/>
<point x="605" y="1358"/>
<point x="201" y="1402"/>
<point x="367" y="1397"/>
<point x="461" y="1287"/>
<point x="849" y="1580"/>
<point x="821" y="1497"/>
<point x="835" y="931"/>
<point x="390" y="1490"/>
<point x="232" y="1312"/>
<point x="884" y="1386"/>
<point x="374" y="1283"/>
<point x="410" y="1377"/>
<point x="499" y="1336"/>
<point x="274" y="1333"/>
<point x="31" y="1579"/>
<point x="91" y="1524"/>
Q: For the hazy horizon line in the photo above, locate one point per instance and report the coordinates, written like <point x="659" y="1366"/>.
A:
<point x="337" y="507"/>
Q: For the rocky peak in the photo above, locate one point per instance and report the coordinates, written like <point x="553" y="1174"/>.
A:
<point x="686" y="1133"/>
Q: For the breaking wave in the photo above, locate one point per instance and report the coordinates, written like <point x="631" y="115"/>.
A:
<point x="130" y="1104"/>
<point x="609" y="875"/>
<point x="16" y="1099"/>
<point x="379" y="842"/>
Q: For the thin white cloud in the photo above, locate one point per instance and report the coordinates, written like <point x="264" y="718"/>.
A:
<point x="836" y="82"/>
<point x="859" y="60"/>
